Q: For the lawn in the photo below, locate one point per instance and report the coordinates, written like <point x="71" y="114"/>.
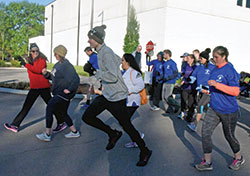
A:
<point x="79" y="69"/>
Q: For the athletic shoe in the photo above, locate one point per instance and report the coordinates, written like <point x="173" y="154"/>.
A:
<point x="133" y="144"/>
<point x="44" y="137"/>
<point x="72" y="135"/>
<point x="192" y="126"/>
<point x="144" y="157"/>
<point x="113" y="140"/>
<point x="204" y="166"/>
<point x="11" y="127"/>
<point x="60" y="127"/>
<point x="155" y="108"/>
<point x="181" y="115"/>
<point x="237" y="163"/>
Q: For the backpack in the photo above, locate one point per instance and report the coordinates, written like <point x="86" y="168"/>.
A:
<point x="143" y="93"/>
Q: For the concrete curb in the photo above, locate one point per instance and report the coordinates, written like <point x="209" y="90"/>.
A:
<point x="25" y="92"/>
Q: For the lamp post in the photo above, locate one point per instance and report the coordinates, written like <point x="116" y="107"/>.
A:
<point x="51" y="35"/>
<point x="92" y="15"/>
<point x="78" y="31"/>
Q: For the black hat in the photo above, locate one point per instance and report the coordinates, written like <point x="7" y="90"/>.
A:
<point x="205" y="54"/>
<point x="34" y="45"/>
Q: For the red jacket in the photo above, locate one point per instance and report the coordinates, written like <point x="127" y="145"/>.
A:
<point x="37" y="81"/>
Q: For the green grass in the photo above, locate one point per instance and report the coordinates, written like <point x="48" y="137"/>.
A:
<point x="79" y="69"/>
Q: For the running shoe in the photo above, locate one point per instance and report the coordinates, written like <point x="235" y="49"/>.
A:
<point x="192" y="126"/>
<point x="155" y="108"/>
<point x="144" y="157"/>
<point x="181" y="115"/>
<point x="237" y="163"/>
<point x="60" y="127"/>
<point x="113" y="140"/>
<point x="204" y="166"/>
<point x="72" y="134"/>
<point x="133" y="144"/>
<point x="44" y="137"/>
<point x="11" y="127"/>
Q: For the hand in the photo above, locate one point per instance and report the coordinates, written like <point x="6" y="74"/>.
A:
<point x="182" y="82"/>
<point x="98" y="92"/>
<point x="22" y="61"/>
<point x="212" y="83"/>
<point x="44" y="71"/>
<point x="205" y="91"/>
<point x="66" y="91"/>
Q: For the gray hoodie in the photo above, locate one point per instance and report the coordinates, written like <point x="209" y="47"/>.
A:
<point x="114" y="88"/>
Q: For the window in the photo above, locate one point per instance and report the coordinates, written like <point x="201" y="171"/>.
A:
<point x="239" y="2"/>
<point x="248" y="4"/>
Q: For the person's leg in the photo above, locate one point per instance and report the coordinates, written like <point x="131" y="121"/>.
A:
<point x="209" y="124"/>
<point x="95" y="108"/>
<point x="202" y="105"/>
<point x="191" y="105"/>
<point x="29" y="101"/>
<point x="46" y="96"/>
<point x="157" y="94"/>
<point x="165" y="94"/>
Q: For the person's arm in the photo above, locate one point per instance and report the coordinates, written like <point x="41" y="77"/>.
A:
<point x="37" y="66"/>
<point x="137" y="83"/>
<point x="46" y="74"/>
<point x="149" y="63"/>
<point x="72" y="77"/>
<point x="231" y="90"/>
<point x="110" y="75"/>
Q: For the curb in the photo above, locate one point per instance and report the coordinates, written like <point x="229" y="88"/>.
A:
<point x="25" y="92"/>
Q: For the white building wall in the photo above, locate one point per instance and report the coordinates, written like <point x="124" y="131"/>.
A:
<point x="178" y="25"/>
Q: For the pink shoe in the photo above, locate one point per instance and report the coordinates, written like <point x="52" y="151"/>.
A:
<point x="11" y="127"/>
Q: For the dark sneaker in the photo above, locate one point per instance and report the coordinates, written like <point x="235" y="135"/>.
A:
<point x="144" y="157"/>
<point x="113" y="140"/>
<point x="237" y="163"/>
<point x="204" y="166"/>
<point x="11" y="127"/>
<point x="60" y="128"/>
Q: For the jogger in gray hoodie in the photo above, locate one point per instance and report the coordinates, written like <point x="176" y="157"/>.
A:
<point x="113" y="98"/>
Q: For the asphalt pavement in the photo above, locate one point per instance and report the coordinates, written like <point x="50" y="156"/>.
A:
<point x="175" y="148"/>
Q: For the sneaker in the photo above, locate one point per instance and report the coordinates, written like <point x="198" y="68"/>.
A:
<point x="204" y="166"/>
<point x="133" y="144"/>
<point x="192" y="126"/>
<point x="155" y="108"/>
<point x="11" y="127"/>
<point x="181" y="115"/>
<point x="44" y="137"/>
<point x="72" y="135"/>
<point x="237" y="163"/>
<point x="144" y="157"/>
<point x="60" y="127"/>
<point x="113" y="140"/>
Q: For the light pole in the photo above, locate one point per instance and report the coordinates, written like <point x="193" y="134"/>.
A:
<point x="92" y="15"/>
<point x="128" y="12"/>
<point x="78" y="31"/>
<point x="51" y="35"/>
<point x="101" y="14"/>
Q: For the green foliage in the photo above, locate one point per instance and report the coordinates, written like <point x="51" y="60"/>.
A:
<point x="131" y="40"/>
<point x="15" y="63"/>
<point x="19" y="22"/>
<point x="2" y="63"/>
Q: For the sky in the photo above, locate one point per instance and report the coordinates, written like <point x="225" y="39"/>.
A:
<point x="41" y="2"/>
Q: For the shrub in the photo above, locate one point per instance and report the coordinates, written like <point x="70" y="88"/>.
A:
<point x="15" y="63"/>
<point x="2" y="63"/>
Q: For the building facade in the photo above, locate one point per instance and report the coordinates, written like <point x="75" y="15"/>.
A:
<point x="178" y="25"/>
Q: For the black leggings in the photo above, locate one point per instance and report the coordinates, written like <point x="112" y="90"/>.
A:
<point x="188" y="102"/>
<point x="119" y="110"/>
<point x="29" y="101"/>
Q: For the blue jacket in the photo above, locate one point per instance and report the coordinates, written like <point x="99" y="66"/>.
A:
<point x="201" y="74"/>
<point x="170" y="72"/>
<point x="94" y="61"/>
<point x="220" y="101"/>
<point x="187" y="73"/>
<point x="157" y="69"/>
<point x="64" y="76"/>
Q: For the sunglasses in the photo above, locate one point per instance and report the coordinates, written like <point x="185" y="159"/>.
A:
<point x="34" y="51"/>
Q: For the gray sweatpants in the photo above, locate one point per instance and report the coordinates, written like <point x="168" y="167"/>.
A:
<point x="167" y="99"/>
<point x="212" y="119"/>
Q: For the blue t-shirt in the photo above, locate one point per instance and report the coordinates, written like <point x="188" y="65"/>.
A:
<point x="202" y="74"/>
<point x="157" y="69"/>
<point x="93" y="60"/>
<point x="220" y="101"/>
<point x="170" y="68"/>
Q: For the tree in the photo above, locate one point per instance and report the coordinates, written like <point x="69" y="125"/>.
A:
<point x="2" y="30"/>
<point x="131" y="40"/>
<point x="21" y="21"/>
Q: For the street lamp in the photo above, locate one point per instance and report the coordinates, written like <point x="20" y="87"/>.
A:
<point x="92" y="15"/>
<point x="78" y="31"/>
<point x="51" y="39"/>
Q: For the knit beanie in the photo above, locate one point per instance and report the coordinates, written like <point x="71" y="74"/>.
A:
<point x="60" y="50"/>
<point x="205" y="54"/>
<point x="34" y="46"/>
<point x="97" y="33"/>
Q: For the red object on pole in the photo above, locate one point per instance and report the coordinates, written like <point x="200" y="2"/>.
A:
<point x="150" y="46"/>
